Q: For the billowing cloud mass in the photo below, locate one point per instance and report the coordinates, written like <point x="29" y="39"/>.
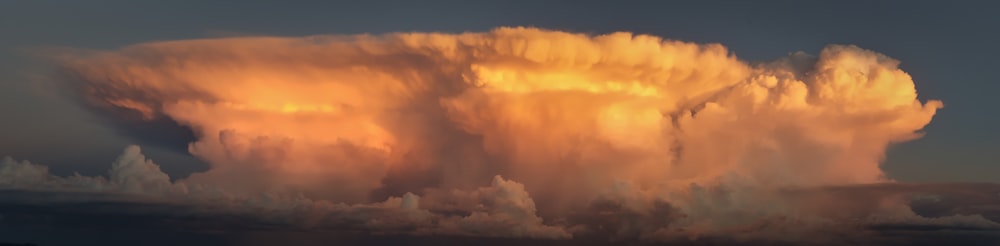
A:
<point x="516" y="132"/>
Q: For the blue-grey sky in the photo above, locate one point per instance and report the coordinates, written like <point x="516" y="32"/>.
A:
<point x="948" y="47"/>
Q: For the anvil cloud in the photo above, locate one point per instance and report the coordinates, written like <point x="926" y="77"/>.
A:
<point x="516" y="132"/>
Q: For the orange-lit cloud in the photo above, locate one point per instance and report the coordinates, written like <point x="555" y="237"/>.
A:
<point x="571" y="118"/>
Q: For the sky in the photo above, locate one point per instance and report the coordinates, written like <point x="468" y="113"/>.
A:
<point x="947" y="50"/>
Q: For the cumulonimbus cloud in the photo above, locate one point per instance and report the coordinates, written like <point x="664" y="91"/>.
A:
<point x="632" y="123"/>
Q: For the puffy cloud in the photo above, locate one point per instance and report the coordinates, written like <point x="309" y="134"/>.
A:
<point x="22" y="174"/>
<point x="632" y="136"/>
<point x="503" y="209"/>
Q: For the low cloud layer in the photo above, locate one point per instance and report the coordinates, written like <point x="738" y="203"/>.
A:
<point x="503" y="213"/>
<point x="514" y="133"/>
<point x="502" y="209"/>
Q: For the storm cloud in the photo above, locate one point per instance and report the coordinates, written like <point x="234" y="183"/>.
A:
<point x="516" y="133"/>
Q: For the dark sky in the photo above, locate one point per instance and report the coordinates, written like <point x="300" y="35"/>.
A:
<point x="948" y="47"/>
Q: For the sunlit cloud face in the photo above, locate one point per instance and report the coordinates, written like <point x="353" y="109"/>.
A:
<point x="573" y="120"/>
